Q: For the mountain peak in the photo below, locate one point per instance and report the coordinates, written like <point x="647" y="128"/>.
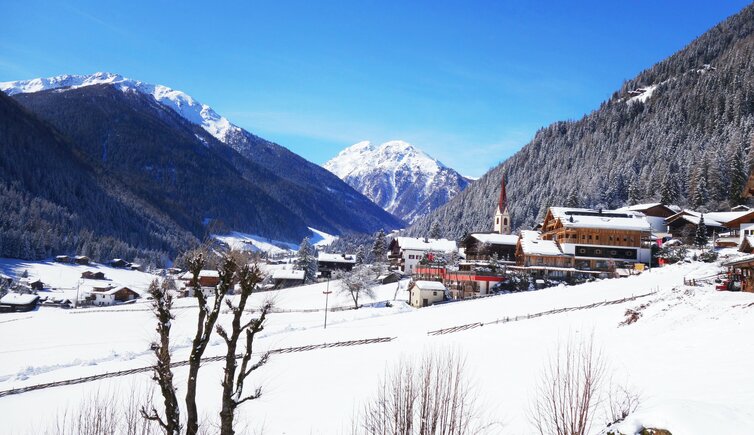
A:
<point x="182" y="103"/>
<point x="397" y="176"/>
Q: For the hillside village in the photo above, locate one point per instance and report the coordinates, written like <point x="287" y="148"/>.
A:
<point x="571" y="246"/>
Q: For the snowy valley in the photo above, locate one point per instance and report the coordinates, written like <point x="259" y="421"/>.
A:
<point x="685" y="355"/>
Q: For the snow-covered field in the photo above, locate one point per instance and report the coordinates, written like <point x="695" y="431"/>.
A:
<point x="255" y="243"/>
<point x="688" y="355"/>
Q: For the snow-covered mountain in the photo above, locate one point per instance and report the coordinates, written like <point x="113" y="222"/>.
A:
<point x="398" y="177"/>
<point x="190" y="109"/>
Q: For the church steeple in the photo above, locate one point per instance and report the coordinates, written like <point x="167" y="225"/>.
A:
<point x="502" y="217"/>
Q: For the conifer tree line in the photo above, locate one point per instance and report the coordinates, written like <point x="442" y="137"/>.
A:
<point x="688" y="144"/>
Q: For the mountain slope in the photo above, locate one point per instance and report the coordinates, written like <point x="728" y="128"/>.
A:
<point x="315" y="197"/>
<point x="44" y="183"/>
<point x="398" y="177"/>
<point x="679" y="132"/>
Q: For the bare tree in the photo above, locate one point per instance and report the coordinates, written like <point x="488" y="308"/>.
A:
<point x="431" y="398"/>
<point x="162" y="303"/>
<point x="205" y="324"/>
<point x="621" y="402"/>
<point x="249" y="276"/>
<point x="568" y="393"/>
<point x="356" y="283"/>
<point x="105" y="413"/>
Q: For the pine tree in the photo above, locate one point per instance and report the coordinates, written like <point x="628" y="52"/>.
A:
<point x="434" y="232"/>
<point x="737" y="178"/>
<point x="572" y="200"/>
<point x="668" y="190"/>
<point x="700" y="194"/>
<point x="307" y="261"/>
<point x="634" y="192"/>
<point x="379" y="248"/>
<point x="701" y="239"/>
<point x="360" y="254"/>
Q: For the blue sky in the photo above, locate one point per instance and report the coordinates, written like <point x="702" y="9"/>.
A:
<point x="470" y="82"/>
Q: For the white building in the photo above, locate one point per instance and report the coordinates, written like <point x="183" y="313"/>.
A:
<point x="406" y="252"/>
<point x="114" y="295"/>
<point x="426" y="293"/>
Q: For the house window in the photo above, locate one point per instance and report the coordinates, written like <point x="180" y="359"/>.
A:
<point x="434" y="293"/>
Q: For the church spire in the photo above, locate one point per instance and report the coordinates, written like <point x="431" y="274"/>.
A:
<point x="503" y="201"/>
<point x="502" y="223"/>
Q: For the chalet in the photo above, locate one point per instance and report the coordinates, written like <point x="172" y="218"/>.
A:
<point x="81" y="259"/>
<point x="740" y="207"/>
<point x="37" y="285"/>
<point x="207" y="278"/>
<point x="119" y="263"/>
<point x="542" y="257"/>
<point x="287" y="278"/>
<point x="480" y="247"/>
<point x="426" y="293"/>
<point x="389" y="278"/>
<point x="682" y="225"/>
<point x="406" y="252"/>
<point x="329" y="263"/>
<point x="17" y="302"/>
<point x="741" y="273"/>
<point x="62" y="259"/>
<point x="90" y="274"/>
<point x="747" y="245"/>
<point x="656" y="213"/>
<point x="599" y="239"/>
<point x="114" y="295"/>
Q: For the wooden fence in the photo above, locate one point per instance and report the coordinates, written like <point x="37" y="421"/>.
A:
<point x="468" y="326"/>
<point x="186" y="362"/>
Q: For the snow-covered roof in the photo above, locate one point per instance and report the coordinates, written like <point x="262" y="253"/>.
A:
<point x="113" y="290"/>
<point x="495" y="238"/>
<point x="531" y="244"/>
<point x="335" y="258"/>
<point x="693" y="218"/>
<point x="605" y="219"/>
<point x="739" y="260"/>
<point x="209" y="273"/>
<point x="18" y="299"/>
<point x="417" y="244"/>
<point x="430" y="285"/>
<point x="288" y="274"/>
<point x="639" y="207"/>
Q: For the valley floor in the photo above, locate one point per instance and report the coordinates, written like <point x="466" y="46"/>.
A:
<point x="689" y="354"/>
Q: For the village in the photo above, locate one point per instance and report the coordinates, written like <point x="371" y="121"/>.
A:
<point x="570" y="246"/>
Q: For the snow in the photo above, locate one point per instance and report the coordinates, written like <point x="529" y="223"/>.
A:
<point x="335" y="258"/>
<point x="645" y="94"/>
<point x="288" y="274"/>
<point x="18" y="299"/>
<point x="257" y="243"/>
<point x="588" y="218"/>
<point x="387" y="156"/>
<point x="418" y="244"/>
<point x="397" y="176"/>
<point x="686" y="355"/>
<point x="495" y="238"/>
<point x="531" y="244"/>
<point x="182" y="103"/>
<point x="429" y="285"/>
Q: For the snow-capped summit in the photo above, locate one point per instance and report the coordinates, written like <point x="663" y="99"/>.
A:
<point x="190" y="109"/>
<point x="398" y="177"/>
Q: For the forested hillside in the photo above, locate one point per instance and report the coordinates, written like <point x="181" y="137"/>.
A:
<point x="680" y="133"/>
<point x="44" y="183"/>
